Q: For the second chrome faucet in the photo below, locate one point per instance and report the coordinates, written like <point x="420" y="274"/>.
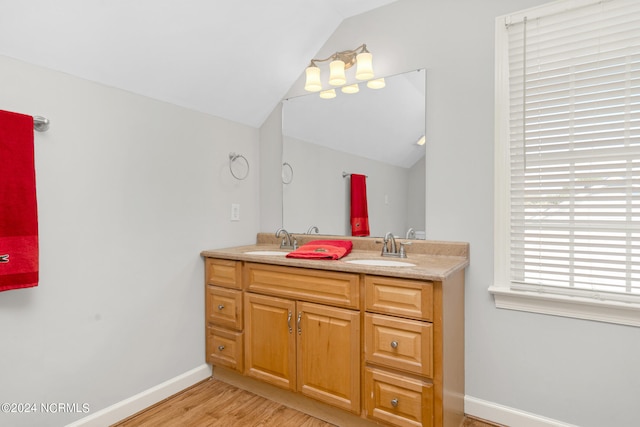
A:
<point x="390" y="249"/>
<point x="288" y="241"/>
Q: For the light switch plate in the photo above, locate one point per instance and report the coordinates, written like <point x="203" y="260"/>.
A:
<point x="235" y="212"/>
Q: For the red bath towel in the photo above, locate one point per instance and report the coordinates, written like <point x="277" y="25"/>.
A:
<point x="359" y="211"/>
<point x="18" y="208"/>
<point x="323" y="249"/>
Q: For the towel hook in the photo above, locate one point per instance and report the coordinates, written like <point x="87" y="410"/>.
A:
<point x="235" y="159"/>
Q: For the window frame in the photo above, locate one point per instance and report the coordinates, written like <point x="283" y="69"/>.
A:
<point x="565" y="305"/>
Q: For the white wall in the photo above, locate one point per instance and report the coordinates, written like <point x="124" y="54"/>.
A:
<point x="130" y="190"/>
<point x="573" y="371"/>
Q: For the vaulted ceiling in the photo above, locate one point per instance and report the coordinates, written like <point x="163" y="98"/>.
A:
<point x="234" y="59"/>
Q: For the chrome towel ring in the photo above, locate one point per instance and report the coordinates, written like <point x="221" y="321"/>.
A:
<point x="287" y="173"/>
<point x="238" y="166"/>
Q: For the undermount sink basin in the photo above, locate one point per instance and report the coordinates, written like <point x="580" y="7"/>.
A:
<point x="381" y="262"/>
<point x="272" y="253"/>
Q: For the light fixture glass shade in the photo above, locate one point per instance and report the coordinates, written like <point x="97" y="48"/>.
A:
<point x="313" y="83"/>
<point x="354" y="88"/>
<point x="376" y="83"/>
<point x="422" y="140"/>
<point x="336" y="73"/>
<point x="328" y="94"/>
<point x="364" y="69"/>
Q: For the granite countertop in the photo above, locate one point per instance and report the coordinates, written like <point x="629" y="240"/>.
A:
<point x="433" y="260"/>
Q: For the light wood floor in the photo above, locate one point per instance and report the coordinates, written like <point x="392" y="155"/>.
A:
<point x="213" y="403"/>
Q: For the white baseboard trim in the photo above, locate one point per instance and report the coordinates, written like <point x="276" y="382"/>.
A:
<point x="507" y="416"/>
<point x="140" y="401"/>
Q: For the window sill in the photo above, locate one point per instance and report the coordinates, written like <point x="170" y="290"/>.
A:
<point x="567" y="306"/>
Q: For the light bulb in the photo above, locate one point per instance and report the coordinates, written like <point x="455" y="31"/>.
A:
<point x="376" y="83"/>
<point x="354" y="88"/>
<point x="364" y="70"/>
<point x="328" y="94"/>
<point x="313" y="83"/>
<point x="336" y="73"/>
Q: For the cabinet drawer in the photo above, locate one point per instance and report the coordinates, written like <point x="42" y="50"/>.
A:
<point x="398" y="400"/>
<point x="399" y="343"/>
<point x="223" y="272"/>
<point x="328" y="287"/>
<point x="225" y="348"/>
<point x="407" y="298"/>
<point x="224" y="307"/>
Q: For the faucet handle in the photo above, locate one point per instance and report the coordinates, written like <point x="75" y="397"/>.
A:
<point x="403" y="252"/>
<point x="384" y="246"/>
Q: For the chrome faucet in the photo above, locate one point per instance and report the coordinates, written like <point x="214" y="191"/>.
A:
<point x="390" y="240"/>
<point x="312" y="229"/>
<point x="411" y="234"/>
<point x="288" y="241"/>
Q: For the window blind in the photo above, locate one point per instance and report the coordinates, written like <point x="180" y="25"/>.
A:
<point x="574" y="132"/>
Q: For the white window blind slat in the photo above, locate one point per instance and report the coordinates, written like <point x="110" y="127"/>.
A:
<point x="574" y="132"/>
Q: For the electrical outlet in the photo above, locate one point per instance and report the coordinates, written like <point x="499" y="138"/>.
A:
<point x="235" y="212"/>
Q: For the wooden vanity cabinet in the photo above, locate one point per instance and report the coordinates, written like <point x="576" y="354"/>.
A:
<point x="224" y="313"/>
<point x="299" y="345"/>
<point x="384" y="348"/>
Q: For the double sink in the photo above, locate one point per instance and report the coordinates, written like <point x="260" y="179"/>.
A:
<point x="370" y="262"/>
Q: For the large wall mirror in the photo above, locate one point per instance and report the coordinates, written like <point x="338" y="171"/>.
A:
<point x="373" y="132"/>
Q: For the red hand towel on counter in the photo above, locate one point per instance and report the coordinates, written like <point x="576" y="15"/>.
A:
<point x="18" y="206"/>
<point x="323" y="249"/>
<point x="359" y="211"/>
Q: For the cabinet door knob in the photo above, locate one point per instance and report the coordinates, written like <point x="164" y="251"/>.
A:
<point x="394" y="344"/>
<point x="394" y="403"/>
<point x="220" y="307"/>
<point x="220" y="347"/>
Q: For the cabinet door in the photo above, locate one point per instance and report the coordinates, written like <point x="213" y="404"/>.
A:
<point x="270" y="340"/>
<point x="329" y="354"/>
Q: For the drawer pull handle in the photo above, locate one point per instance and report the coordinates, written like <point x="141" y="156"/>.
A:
<point x="394" y="403"/>
<point x="220" y="347"/>
<point x="220" y="307"/>
<point x="289" y="322"/>
<point x="299" y="325"/>
<point x="394" y="344"/>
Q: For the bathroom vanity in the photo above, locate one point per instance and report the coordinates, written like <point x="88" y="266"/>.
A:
<point x="384" y="343"/>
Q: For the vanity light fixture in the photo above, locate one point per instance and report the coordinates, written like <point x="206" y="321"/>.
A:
<point x="340" y="61"/>
<point x="421" y="141"/>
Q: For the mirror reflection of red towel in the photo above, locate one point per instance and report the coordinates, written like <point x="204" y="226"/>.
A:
<point x="359" y="211"/>
<point x="18" y="207"/>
